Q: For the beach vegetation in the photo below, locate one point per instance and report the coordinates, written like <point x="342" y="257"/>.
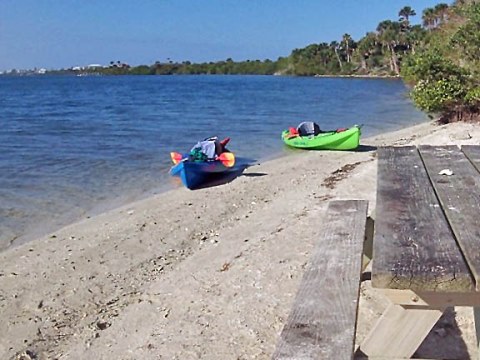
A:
<point x="444" y="70"/>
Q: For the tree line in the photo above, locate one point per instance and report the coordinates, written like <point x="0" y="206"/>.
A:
<point x="438" y="58"/>
<point x="379" y="52"/>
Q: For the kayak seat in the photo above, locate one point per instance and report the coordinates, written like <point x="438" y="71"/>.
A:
<point x="308" y="128"/>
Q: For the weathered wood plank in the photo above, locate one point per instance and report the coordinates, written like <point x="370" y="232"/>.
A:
<point x="413" y="245"/>
<point x="436" y="299"/>
<point x="322" y="322"/>
<point x="459" y="195"/>
<point x="400" y="331"/>
<point x="472" y="152"/>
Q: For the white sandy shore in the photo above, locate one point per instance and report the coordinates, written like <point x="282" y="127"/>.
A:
<point x="206" y="274"/>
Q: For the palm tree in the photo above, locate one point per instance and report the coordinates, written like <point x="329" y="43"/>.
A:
<point x="366" y="46"/>
<point x="441" y="12"/>
<point x="335" y="46"/>
<point x="414" y="37"/>
<point x="324" y="55"/>
<point x="389" y="36"/>
<point x="428" y="18"/>
<point x="405" y="14"/>
<point x="434" y="16"/>
<point x="347" y="40"/>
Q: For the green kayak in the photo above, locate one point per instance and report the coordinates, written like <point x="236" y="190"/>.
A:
<point x="342" y="139"/>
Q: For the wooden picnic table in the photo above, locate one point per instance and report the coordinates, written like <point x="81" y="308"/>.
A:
<point x="426" y="245"/>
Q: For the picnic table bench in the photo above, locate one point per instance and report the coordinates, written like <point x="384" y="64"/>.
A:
<point x="426" y="246"/>
<point x="323" y="319"/>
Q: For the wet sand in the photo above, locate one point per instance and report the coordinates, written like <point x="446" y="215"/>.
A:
<point x="205" y="274"/>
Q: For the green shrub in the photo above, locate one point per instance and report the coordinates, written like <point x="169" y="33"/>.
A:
<point x="437" y="95"/>
<point x="473" y="96"/>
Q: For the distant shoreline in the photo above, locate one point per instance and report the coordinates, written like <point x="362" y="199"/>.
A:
<point x="352" y="76"/>
<point x="360" y="76"/>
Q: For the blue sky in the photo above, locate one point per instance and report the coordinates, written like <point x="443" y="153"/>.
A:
<point x="64" y="33"/>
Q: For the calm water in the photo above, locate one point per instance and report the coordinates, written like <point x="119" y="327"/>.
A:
<point x="74" y="146"/>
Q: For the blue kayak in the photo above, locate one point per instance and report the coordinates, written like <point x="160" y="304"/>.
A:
<point x="194" y="174"/>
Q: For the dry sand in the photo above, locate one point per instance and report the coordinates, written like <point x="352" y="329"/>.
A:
<point x="206" y="274"/>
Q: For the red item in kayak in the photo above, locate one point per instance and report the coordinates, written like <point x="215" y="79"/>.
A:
<point x="292" y="132"/>
<point x="225" y="141"/>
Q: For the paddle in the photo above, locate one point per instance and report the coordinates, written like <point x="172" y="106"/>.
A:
<point x="176" y="157"/>
<point x="227" y="158"/>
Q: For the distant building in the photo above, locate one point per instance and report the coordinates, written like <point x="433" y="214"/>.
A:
<point x="92" y="66"/>
<point x="119" y="65"/>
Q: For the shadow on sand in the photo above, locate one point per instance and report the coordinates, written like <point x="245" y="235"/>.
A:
<point x="360" y="148"/>
<point x="365" y="148"/>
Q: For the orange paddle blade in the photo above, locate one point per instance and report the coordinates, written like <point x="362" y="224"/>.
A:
<point x="227" y="159"/>
<point x="176" y="157"/>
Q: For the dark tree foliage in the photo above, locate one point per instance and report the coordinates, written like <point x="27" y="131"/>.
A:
<point x="445" y="70"/>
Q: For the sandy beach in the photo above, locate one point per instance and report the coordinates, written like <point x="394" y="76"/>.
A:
<point x="205" y="274"/>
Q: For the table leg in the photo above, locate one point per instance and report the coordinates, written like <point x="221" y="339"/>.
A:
<point x="400" y="331"/>
<point x="476" y="314"/>
<point x="368" y="244"/>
